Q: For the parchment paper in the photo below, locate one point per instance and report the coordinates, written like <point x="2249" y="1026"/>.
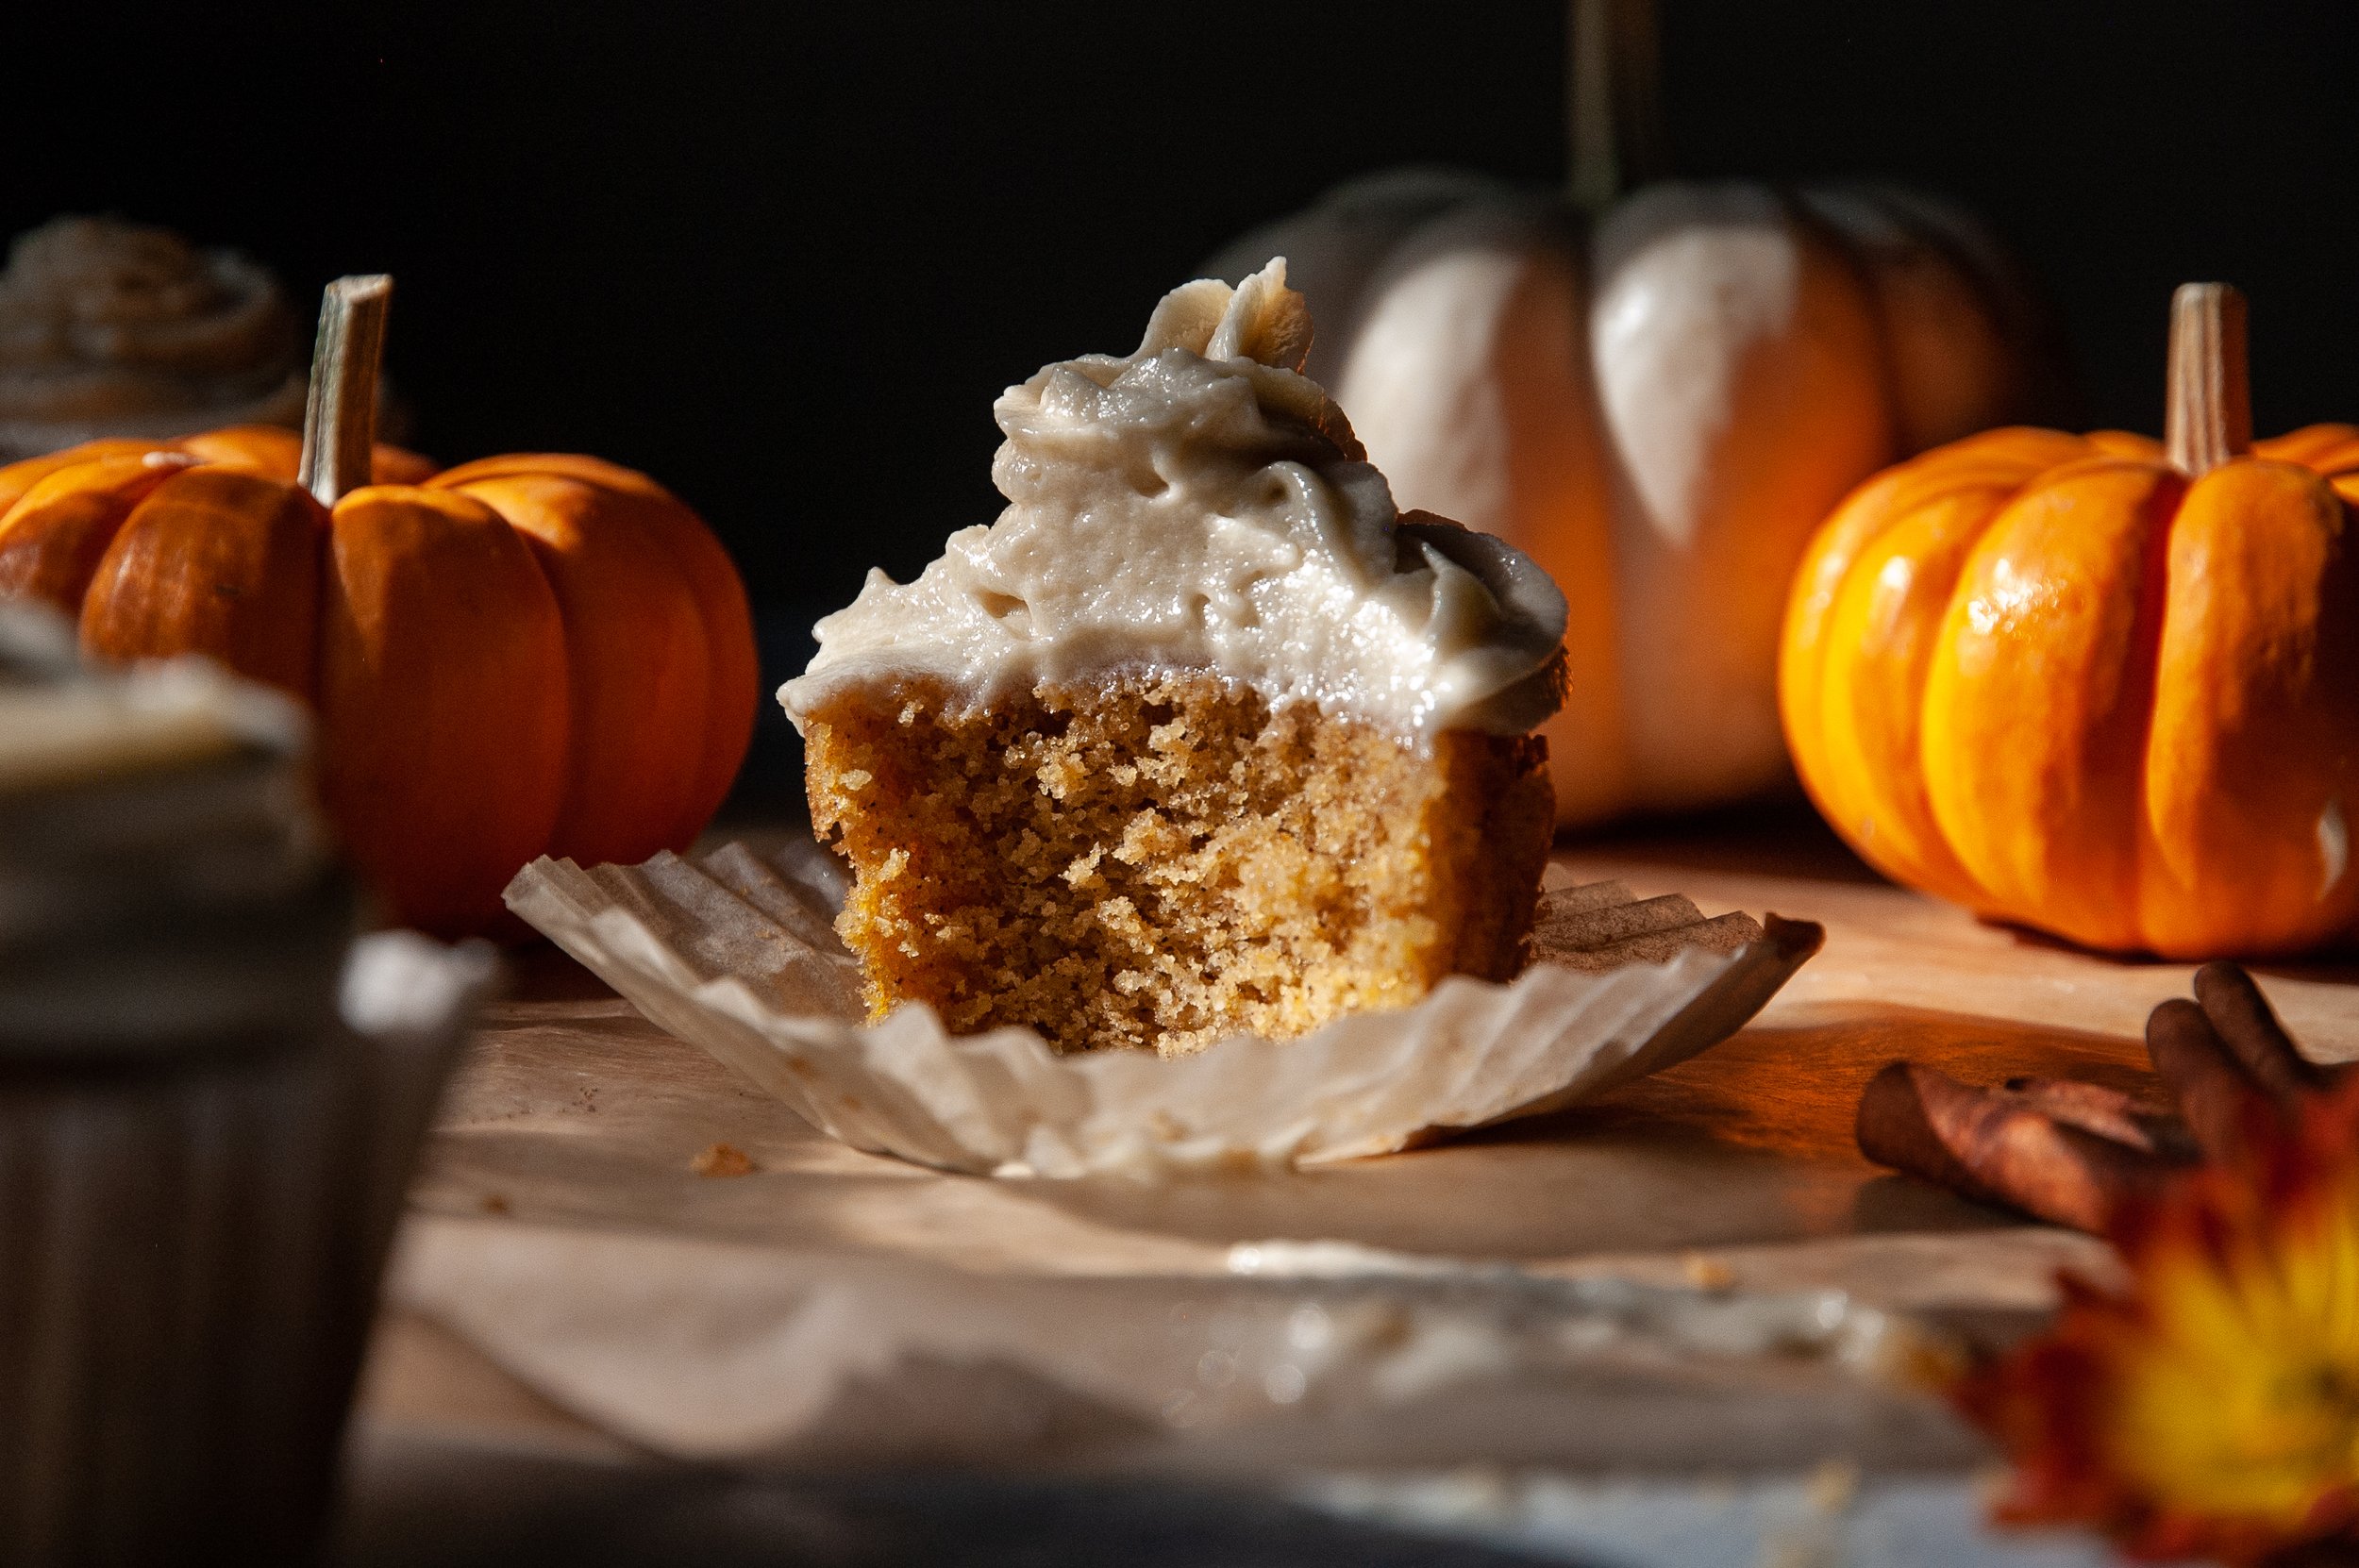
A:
<point x="1303" y="1354"/>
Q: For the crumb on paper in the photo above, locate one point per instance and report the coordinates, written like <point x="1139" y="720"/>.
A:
<point x="1933" y="1362"/>
<point x="722" y="1159"/>
<point x="1707" y="1273"/>
<point x="495" y="1204"/>
<point x="1834" y="1487"/>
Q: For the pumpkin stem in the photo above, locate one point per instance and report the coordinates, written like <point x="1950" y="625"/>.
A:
<point x="2210" y="418"/>
<point x="1612" y="109"/>
<point x="340" y="415"/>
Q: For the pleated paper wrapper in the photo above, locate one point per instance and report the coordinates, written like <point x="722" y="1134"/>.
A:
<point x="189" y="1261"/>
<point x="735" y="952"/>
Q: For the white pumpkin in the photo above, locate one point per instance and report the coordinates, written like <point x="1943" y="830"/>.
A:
<point x="1659" y="405"/>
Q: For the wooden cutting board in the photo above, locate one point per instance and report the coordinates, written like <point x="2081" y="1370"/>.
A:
<point x="573" y="1114"/>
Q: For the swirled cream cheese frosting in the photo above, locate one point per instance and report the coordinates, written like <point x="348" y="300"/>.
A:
<point x="1198" y="504"/>
<point x="109" y="329"/>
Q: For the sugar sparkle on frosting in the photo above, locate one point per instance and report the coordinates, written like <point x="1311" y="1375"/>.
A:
<point x="1200" y="505"/>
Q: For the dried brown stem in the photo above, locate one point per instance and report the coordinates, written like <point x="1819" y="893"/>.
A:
<point x="2210" y="415"/>
<point x="1612" y="103"/>
<point x="1999" y="1147"/>
<point x="339" y="417"/>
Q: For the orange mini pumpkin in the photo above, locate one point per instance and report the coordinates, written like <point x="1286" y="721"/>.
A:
<point x="2096" y="684"/>
<point x="521" y="656"/>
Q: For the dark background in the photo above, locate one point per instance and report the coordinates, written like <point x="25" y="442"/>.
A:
<point x="782" y="256"/>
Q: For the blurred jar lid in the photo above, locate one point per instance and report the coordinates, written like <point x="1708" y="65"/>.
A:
<point x="63" y="725"/>
<point x="165" y="882"/>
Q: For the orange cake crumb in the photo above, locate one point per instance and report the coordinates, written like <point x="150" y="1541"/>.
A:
<point x="722" y="1159"/>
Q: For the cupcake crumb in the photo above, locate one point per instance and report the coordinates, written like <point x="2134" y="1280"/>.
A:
<point x="1707" y="1273"/>
<point x="722" y="1159"/>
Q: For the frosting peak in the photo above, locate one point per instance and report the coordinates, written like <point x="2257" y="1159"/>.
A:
<point x="1199" y="504"/>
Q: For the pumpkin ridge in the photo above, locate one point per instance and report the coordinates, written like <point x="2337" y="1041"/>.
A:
<point x="18" y="478"/>
<point x="716" y="597"/>
<point x="442" y="667"/>
<point x="1849" y="532"/>
<point x="1825" y="734"/>
<point x="1852" y="254"/>
<point x="2013" y="311"/>
<point x="640" y="660"/>
<point x="2031" y="765"/>
<point x="1948" y="872"/>
<point x="1951" y="870"/>
<point x="217" y="560"/>
<point x="2323" y="448"/>
<point x="2143" y="666"/>
<point x="2268" y="543"/>
<point x="58" y="531"/>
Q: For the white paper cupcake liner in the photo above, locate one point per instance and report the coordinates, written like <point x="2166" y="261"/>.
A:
<point x="188" y="1260"/>
<point x="734" y="952"/>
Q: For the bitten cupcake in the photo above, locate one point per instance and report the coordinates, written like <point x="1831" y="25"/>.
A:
<point x="1202" y="737"/>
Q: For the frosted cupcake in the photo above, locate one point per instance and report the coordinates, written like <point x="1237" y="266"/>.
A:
<point x="109" y="329"/>
<point x="1201" y="737"/>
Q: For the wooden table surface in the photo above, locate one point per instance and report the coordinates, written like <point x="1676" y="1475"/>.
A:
<point x="573" y="1117"/>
